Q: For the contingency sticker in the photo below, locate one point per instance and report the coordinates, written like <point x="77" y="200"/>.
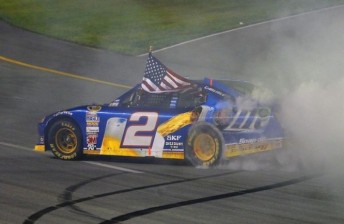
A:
<point x="249" y="146"/>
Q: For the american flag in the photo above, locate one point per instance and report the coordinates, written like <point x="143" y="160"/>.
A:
<point x="158" y="78"/>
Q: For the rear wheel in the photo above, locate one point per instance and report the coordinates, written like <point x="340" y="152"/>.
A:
<point x="204" y="145"/>
<point x="64" y="140"/>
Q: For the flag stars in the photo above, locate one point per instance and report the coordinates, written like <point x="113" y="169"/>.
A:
<point x="158" y="78"/>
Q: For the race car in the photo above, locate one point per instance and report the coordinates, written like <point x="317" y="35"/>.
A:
<point x="168" y="116"/>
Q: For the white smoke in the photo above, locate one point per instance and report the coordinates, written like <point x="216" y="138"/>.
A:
<point x="259" y="95"/>
<point x="302" y="64"/>
<point x="246" y="103"/>
<point x="313" y="117"/>
<point x="263" y="95"/>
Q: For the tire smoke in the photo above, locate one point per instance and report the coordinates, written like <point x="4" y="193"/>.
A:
<point x="313" y="117"/>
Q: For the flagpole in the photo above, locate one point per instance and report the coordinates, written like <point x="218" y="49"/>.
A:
<point x="150" y="49"/>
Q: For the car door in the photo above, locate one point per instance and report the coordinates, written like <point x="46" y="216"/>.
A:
<point x="141" y="124"/>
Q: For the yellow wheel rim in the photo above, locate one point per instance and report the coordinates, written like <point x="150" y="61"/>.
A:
<point x="66" y="140"/>
<point x="204" y="147"/>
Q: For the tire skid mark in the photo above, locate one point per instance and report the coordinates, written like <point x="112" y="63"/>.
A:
<point x="151" y="210"/>
<point x="67" y="194"/>
<point x="65" y="198"/>
<point x="37" y="215"/>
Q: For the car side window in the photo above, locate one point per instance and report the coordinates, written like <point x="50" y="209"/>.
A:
<point x="185" y="99"/>
<point x="143" y="99"/>
<point x="191" y="98"/>
<point x="129" y="100"/>
<point x="155" y="100"/>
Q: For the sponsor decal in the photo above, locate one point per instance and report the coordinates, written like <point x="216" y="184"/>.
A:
<point x="91" y="117"/>
<point x="92" y="123"/>
<point x="41" y="140"/>
<point x="173" y="103"/>
<point x="249" y="146"/>
<point x="264" y="112"/>
<point x="174" y="145"/>
<point x="63" y="113"/>
<point x="251" y="141"/>
<point x="114" y="104"/>
<point x="92" y="126"/>
<point x="94" y="108"/>
<point x="92" y="129"/>
<point x="173" y="137"/>
<point x="173" y="142"/>
<point x="214" y="91"/>
<point x="91" y="141"/>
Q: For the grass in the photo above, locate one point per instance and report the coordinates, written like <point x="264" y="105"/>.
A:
<point x="131" y="26"/>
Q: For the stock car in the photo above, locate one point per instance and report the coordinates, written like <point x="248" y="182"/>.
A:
<point x="209" y="121"/>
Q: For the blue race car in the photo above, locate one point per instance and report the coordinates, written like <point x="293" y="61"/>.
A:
<point x="168" y="116"/>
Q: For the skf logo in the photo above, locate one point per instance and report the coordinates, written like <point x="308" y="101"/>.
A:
<point x="173" y="137"/>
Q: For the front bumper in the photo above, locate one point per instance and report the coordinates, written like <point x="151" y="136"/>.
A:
<point x="39" y="148"/>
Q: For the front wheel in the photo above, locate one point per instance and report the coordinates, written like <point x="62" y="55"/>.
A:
<point x="204" y="145"/>
<point x="64" y="140"/>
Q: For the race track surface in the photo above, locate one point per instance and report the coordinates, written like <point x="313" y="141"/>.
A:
<point x="40" y="75"/>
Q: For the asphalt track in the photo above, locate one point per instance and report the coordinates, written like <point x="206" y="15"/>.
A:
<point x="40" y="75"/>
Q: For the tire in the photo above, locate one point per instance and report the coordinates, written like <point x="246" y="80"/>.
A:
<point x="64" y="140"/>
<point x="204" y="145"/>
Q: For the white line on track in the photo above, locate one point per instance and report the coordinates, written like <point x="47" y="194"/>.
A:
<point x="16" y="146"/>
<point x="247" y="27"/>
<point x="92" y="163"/>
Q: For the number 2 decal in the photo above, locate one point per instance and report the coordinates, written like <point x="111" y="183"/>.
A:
<point x="140" y="133"/>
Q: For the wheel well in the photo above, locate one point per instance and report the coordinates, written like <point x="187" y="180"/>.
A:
<point x="53" y="121"/>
